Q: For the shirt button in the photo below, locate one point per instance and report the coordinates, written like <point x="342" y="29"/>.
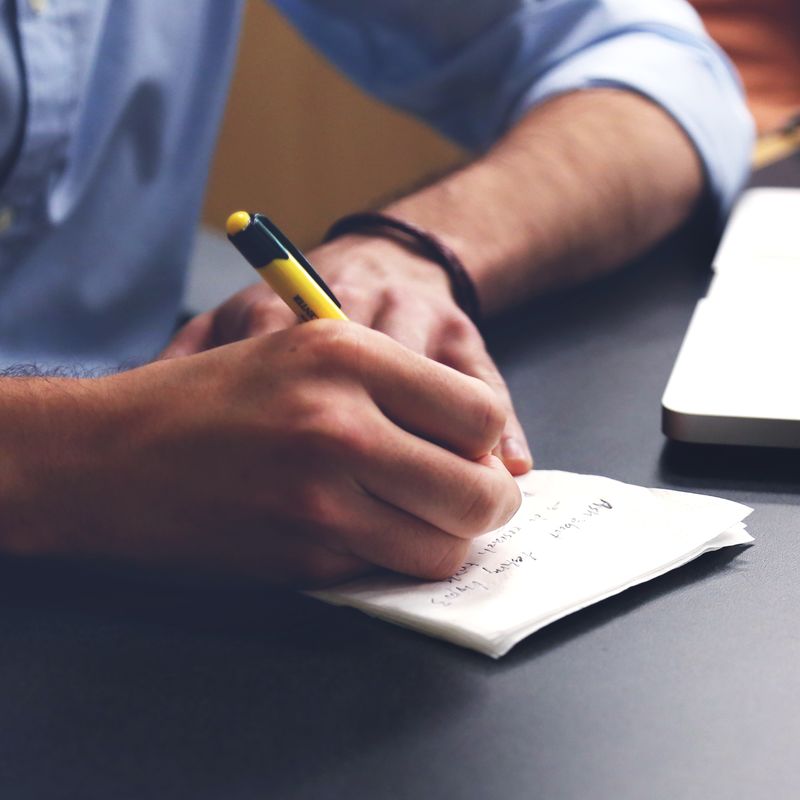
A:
<point x="38" y="6"/>
<point x="6" y="218"/>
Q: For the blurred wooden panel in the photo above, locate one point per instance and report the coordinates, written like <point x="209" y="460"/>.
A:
<point x="762" y="37"/>
<point x="302" y="144"/>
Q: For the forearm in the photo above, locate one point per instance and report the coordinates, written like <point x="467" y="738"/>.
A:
<point x="580" y="185"/>
<point x="176" y="464"/>
<point x="51" y="430"/>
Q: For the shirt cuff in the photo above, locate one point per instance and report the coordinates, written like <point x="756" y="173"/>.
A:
<point x="695" y="84"/>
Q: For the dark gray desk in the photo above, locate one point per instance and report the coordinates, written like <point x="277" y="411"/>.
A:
<point x="686" y="687"/>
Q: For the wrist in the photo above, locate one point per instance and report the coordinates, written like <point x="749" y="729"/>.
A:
<point x="419" y="242"/>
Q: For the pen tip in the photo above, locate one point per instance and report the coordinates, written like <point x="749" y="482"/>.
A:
<point x="237" y="222"/>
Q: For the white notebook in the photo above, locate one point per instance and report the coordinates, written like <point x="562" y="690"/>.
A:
<point x="575" y="540"/>
<point x="736" y="378"/>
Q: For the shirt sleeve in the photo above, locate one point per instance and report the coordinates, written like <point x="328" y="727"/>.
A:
<point x="470" y="68"/>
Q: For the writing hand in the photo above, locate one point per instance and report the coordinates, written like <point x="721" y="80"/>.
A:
<point x="383" y="286"/>
<point x="305" y="457"/>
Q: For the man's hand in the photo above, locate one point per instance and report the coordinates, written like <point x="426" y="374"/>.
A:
<point x="383" y="286"/>
<point x="304" y="457"/>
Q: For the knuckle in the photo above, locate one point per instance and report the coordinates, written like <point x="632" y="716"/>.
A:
<point x="335" y="431"/>
<point x="350" y="438"/>
<point x="482" y="511"/>
<point x="459" y="327"/>
<point x="253" y="323"/>
<point x="312" y="503"/>
<point x="248" y="310"/>
<point x="458" y="340"/>
<point x="392" y="298"/>
<point x="491" y="416"/>
<point x="433" y="556"/>
<point x="331" y="341"/>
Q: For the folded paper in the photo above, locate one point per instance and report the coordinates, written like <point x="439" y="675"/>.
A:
<point x="575" y="540"/>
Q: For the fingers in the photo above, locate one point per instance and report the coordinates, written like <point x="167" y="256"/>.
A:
<point x="464" y="350"/>
<point x="459" y="345"/>
<point x="460" y="497"/>
<point x="193" y="337"/>
<point x="348" y="530"/>
<point x="252" y="312"/>
<point x="257" y="319"/>
<point x="513" y="449"/>
<point x="424" y="397"/>
<point x="255" y="311"/>
<point x="369" y="534"/>
<point x="390" y="538"/>
<point x="373" y="535"/>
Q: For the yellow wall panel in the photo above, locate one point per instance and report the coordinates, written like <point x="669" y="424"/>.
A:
<point x="304" y="146"/>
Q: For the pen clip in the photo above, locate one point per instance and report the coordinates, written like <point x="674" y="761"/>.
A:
<point x="287" y="245"/>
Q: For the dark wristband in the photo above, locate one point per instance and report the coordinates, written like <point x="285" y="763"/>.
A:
<point x="419" y="241"/>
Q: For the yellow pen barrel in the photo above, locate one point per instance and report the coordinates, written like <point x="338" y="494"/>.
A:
<point x="299" y="290"/>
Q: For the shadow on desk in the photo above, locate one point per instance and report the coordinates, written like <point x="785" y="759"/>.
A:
<point x="713" y="565"/>
<point x="766" y="469"/>
<point x="301" y="628"/>
<point x="247" y="679"/>
<point x="192" y="690"/>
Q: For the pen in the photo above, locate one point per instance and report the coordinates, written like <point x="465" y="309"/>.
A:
<point x="282" y="266"/>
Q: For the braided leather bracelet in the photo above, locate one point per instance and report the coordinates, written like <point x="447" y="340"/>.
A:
<point x="419" y="241"/>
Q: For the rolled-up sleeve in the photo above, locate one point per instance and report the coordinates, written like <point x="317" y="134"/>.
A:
<point x="470" y="68"/>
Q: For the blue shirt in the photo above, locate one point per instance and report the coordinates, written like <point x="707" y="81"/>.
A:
<point x="118" y="104"/>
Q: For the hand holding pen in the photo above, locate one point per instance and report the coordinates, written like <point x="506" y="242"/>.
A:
<point x="382" y="286"/>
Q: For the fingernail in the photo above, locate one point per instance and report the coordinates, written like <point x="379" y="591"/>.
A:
<point x="514" y="450"/>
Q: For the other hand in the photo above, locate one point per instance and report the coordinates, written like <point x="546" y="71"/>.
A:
<point x="383" y="286"/>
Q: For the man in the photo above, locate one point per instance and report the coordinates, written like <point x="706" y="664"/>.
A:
<point x="318" y="451"/>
